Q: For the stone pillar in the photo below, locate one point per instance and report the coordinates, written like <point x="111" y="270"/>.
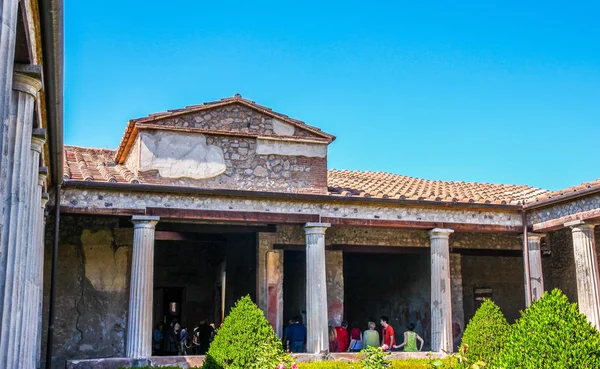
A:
<point x="32" y="257"/>
<point x="586" y="268"/>
<point x="316" y="288"/>
<point x="19" y="180"/>
<point x="40" y="299"/>
<point x="458" y="310"/>
<point x="274" y="309"/>
<point x="139" y="322"/>
<point x="441" y="299"/>
<point x="265" y="244"/>
<point x="536" y="276"/>
<point x="8" y="31"/>
<point x="334" y="261"/>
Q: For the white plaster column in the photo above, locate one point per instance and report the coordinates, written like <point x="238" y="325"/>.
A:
<point x="8" y="31"/>
<point x="441" y="295"/>
<point x="536" y="276"/>
<point x="316" y="288"/>
<point x="139" y="322"/>
<point x="586" y="268"/>
<point x="19" y="180"/>
<point x="32" y="257"/>
<point x="40" y="281"/>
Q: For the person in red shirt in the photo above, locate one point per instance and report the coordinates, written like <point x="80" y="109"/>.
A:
<point x="387" y="333"/>
<point x="342" y="337"/>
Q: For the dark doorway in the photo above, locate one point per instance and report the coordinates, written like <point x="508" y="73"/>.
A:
<point x="200" y="276"/>
<point x="294" y="285"/>
<point x="395" y="285"/>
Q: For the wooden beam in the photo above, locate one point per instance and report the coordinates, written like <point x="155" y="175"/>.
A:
<point x="187" y="237"/>
<point x="101" y="211"/>
<point x="215" y="228"/>
<point x="554" y="224"/>
<point x="251" y="217"/>
<point x="409" y="224"/>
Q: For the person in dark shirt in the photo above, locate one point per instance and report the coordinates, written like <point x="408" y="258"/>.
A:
<point x="204" y="335"/>
<point x="296" y="335"/>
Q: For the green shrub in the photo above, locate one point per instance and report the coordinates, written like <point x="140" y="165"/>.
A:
<point x="486" y="333"/>
<point x="551" y="334"/>
<point x="374" y="358"/>
<point x="246" y="340"/>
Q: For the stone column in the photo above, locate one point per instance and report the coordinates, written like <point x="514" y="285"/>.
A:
<point x="458" y="309"/>
<point x="586" y="268"/>
<point x="8" y="31"/>
<point x="274" y="309"/>
<point x="139" y="322"/>
<point x="334" y="261"/>
<point x="536" y="276"/>
<point x="316" y="288"/>
<point x="32" y="256"/>
<point x="441" y="299"/>
<point x="40" y="299"/>
<point x="17" y="208"/>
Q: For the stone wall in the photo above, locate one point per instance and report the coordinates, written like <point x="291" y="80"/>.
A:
<point x="227" y="162"/>
<point x="560" y="210"/>
<point x="504" y="275"/>
<point x="92" y="288"/>
<point x="559" y="267"/>
<point x="90" y="198"/>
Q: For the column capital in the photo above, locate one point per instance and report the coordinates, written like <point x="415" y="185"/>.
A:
<point x="42" y="175"/>
<point x="579" y="225"/>
<point x="316" y="228"/>
<point x="24" y="83"/>
<point x="45" y="198"/>
<point x="440" y="233"/>
<point x="38" y="139"/>
<point x="534" y="236"/>
<point x="144" y="221"/>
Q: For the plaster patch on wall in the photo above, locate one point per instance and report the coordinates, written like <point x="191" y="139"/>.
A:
<point x="106" y="269"/>
<point x="179" y="155"/>
<point x="282" y="129"/>
<point x="275" y="147"/>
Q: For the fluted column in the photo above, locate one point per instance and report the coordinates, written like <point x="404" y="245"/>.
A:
<point x="31" y="269"/>
<point x="316" y="288"/>
<point x="441" y="295"/>
<point x="40" y="281"/>
<point x="139" y="323"/>
<point x="586" y="268"/>
<point x="8" y="31"/>
<point x="536" y="275"/>
<point x="19" y="179"/>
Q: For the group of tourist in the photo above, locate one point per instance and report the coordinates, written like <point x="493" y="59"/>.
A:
<point x="179" y="340"/>
<point x="343" y="340"/>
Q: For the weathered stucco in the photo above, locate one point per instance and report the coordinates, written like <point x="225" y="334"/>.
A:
<point x="108" y="199"/>
<point x="92" y="288"/>
<point x="560" y="210"/>
<point x="334" y="267"/>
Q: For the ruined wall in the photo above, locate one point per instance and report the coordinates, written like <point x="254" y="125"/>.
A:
<point x="504" y="275"/>
<point x="228" y="162"/>
<point x="92" y="288"/>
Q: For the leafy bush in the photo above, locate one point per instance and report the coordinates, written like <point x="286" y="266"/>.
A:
<point x="246" y="340"/>
<point x="486" y="333"/>
<point x="550" y="334"/>
<point x="394" y="364"/>
<point x="374" y="358"/>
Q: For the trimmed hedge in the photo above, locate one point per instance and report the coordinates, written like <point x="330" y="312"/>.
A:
<point x="486" y="333"/>
<point x="551" y="334"/>
<point x="245" y="341"/>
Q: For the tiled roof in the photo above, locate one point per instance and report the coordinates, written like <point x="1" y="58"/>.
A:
<point x="236" y="99"/>
<point x="570" y="190"/>
<point x="395" y="186"/>
<point x="85" y="164"/>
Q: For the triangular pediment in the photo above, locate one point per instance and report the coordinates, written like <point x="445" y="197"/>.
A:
<point x="229" y="116"/>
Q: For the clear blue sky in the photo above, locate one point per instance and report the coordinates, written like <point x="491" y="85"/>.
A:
<point x="475" y="91"/>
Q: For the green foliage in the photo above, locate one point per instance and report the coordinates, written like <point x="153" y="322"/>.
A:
<point x="394" y="364"/>
<point x="486" y="333"/>
<point x="374" y="358"/>
<point x="551" y="334"/>
<point x="246" y="340"/>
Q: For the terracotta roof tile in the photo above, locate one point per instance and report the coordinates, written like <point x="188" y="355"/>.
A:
<point x="86" y="164"/>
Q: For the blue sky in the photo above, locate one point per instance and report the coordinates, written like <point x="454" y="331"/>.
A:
<point x="500" y="92"/>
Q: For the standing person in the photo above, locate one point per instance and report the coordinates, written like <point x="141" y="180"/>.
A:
<point x="170" y="346"/>
<point x="333" y="340"/>
<point x="355" y="338"/>
<point x="410" y="340"/>
<point x="205" y="332"/>
<point x="387" y="333"/>
<point x="183" y="342"/>
<point x="342" y="337"/>
<point x="371" y="336"/>
<point x="157" y="340"/>
<point x="297" y="335"/>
